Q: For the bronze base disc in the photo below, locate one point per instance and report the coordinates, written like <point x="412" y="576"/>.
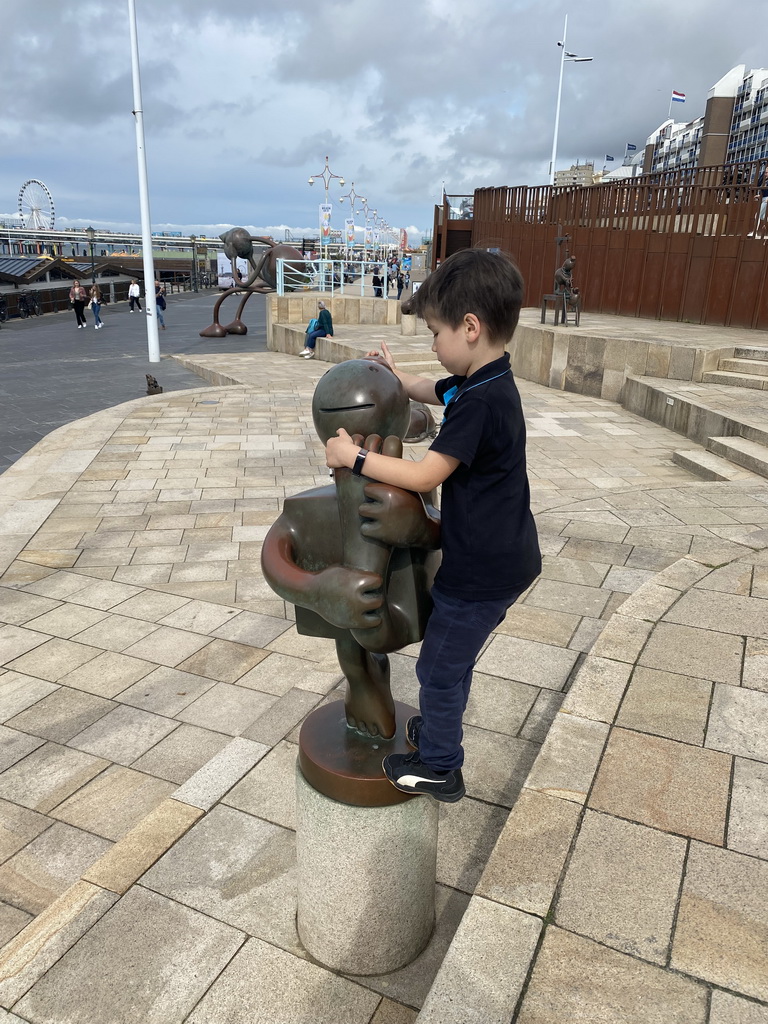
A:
<point x="344" y="765"/>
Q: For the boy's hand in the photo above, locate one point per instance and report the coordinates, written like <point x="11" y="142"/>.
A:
<point x="341" y="451"/>
<point x="385" y="356"/>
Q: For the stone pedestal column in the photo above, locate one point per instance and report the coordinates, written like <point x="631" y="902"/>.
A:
<point x="366" y="901"/>
<point x="408" y="325"/>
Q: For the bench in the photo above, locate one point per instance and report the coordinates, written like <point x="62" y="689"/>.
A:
<point x="562" y="308"/>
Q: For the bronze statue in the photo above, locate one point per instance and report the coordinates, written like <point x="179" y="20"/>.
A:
<point x="357" y="557"/>
<point x="564" y="284"/>
<point x="238" y="242"/>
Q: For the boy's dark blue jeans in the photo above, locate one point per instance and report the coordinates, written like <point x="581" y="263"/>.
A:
<point x="455" y="634"/>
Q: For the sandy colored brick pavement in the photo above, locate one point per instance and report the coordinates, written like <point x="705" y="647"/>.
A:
<point x="152" y="687"/>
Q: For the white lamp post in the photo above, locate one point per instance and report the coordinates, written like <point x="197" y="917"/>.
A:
<point x="353" y="198"/>
<point x="327" y="176"/>
<point x="575" y="59"/>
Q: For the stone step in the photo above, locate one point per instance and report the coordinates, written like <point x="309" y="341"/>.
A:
<point x="709" y="466"/>
<point x="747" y="454"/>
<point x="751" y="353"/>
<point x="752" y="367"/>
<point x="735" y="380"/>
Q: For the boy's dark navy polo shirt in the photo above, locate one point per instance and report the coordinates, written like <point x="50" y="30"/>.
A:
<point x="488" y="536"/>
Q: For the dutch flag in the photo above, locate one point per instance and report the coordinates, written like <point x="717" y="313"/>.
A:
<point x="678" y="97"/>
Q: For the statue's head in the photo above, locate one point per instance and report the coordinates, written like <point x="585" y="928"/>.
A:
<point x="570" y="263"/>
<point x="362" y="396"/>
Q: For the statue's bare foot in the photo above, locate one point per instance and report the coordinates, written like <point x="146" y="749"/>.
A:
<point x="371" y="712"/>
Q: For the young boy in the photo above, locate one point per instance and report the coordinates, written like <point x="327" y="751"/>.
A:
<point x="490" y="549"/>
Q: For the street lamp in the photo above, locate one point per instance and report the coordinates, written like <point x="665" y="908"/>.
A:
<point x="91" y="235"/>
<point x="327" y="176"/>
<point x="574" y="59"/>
<point x="193" y="240"/>
<point x="353" y="198"/>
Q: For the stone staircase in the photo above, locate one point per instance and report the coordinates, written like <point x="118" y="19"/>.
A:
<point x="748" y="368"/>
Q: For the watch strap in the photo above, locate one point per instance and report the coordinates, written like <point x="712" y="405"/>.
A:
<point x="357" y="467"/>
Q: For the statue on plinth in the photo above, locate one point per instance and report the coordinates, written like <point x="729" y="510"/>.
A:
<point x="357" y="559"/>
<point x="564" y="284"/>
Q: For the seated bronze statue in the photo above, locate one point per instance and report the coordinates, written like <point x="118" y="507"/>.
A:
<point x="356" y="557"/>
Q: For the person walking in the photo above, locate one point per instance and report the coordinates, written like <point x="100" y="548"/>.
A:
<point x="323" y="330"/>
<point x="400" y="284"/>
<point x="77" y="299"/>
<point x="160" y="303"/>
<point x="133" y="295"/>
<point x="95" y="297"/>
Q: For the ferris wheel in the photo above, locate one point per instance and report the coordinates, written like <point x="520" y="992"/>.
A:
<point x="36" y="205"/>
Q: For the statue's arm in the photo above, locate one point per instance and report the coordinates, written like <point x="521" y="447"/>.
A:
<point x="399" y="517"/>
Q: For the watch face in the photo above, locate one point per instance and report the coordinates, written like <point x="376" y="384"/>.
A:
<point x="363" y="397"/>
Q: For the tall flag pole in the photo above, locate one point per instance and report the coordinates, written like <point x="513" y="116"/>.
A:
<point x="676" y="97"/>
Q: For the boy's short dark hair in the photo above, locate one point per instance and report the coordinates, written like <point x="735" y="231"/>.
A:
<point x="488" y="284"/>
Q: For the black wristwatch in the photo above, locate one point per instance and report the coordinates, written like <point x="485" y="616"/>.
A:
<point x="357" y="468"/>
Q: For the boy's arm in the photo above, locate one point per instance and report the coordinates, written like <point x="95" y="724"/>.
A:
<point x="423" y="476"/>
<point x="420" y="389"/>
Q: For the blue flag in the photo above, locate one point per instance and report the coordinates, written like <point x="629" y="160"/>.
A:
<point x="631" y="147"/>
<point x="607" y="158"/>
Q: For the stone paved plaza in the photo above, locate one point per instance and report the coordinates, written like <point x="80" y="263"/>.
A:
<point x="609" y="863"/>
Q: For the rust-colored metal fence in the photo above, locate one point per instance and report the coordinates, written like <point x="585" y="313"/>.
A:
<point x="680" y="245"/>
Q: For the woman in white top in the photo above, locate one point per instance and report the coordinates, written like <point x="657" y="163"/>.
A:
<point x="133" y="295"/>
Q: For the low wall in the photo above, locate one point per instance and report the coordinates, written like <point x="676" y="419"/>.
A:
<point x="297" y="310"/>
<point x="573" y="360"/>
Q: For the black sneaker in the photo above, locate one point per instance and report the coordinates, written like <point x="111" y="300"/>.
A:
<point x="409" y="775"/>
<point x="413" y="730"/>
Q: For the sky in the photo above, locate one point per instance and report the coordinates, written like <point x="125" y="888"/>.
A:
<point x="242" y="102"/>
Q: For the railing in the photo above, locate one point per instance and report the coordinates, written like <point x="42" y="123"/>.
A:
<point x="343" y="277"/>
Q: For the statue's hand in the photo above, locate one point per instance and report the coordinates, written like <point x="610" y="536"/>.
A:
<point x="349" y="598"/>
<point x="397" y="517"/>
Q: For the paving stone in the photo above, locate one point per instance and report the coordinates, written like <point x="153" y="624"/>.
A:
<point x="269" y="789"/>
<point x="621" y="886"/>
<point x="622" y="639"/>
<point x="47" y="776"/>
<point x="738" y="722"/>
<point x="124" y="734"/>
<point x="577" y="979"/>
<point x="729" y="1009"/>
<point x="467" y="835"/>
<point x="150" y="605"/>
<point x="280" y="717"/>
<point x="15" y="745"/>
<point x="723" y="919"/>
<point x="755" y="672"/>
<point x="180" y="754"/>
<point x="209" y="784"/>
<point x="748" y="818"/>
<point x="108" y="674"/>
<point x="263" y="985"/>
<point x="68" y="620"/>
<point x="251" y="628"/>
<point x="279" y="673"/>
<point x="650" y="601"/>
<point x="573" y="570"/>
<point x="113" y="803"/>
<point x="116" y="632"/>
<point x="138" y="850"/>
<point x="165" y="691"/>
<point x="586" y="635"/>
<point x="18" y="826"/>
<point x="16" y="607"/>
<point x="27" y="957"/>
<point x="495" y="765"/>
<point x="729" y="579"/>
<point x="566" y="764"/>
<point x="16" y="641"/>
<point x="526" y="863"/>
<point x="597" y="690"/>
<point x="484" y="971"/>
<point x="664" y="784"/>
<point x="389" y="1012"/>
<point x="168" y="646"/>
<point x="200" y="617"/>
<point x="55" y="659"/>
<point x="667" y="705"/>
<point x="12" y="920"/>
<point x="146" y="959"/>
<point x="701" y="653"/>
<point x="726" y="613"/>
<point x="18" y="692"/>
<point x="224" y="660"/>
<point x="527" y="662"/>
<point x="61" y="714"/>
<point x="238" y="869"/>
<point x="228" y="709"/>
<point x="568" y="597"/>
<point x="309" y="648"/>
<point x="541" y="624"/>
<point x="35" y="876"/>
<point x="627" y="581"/>
<point x="59" y="585"/>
